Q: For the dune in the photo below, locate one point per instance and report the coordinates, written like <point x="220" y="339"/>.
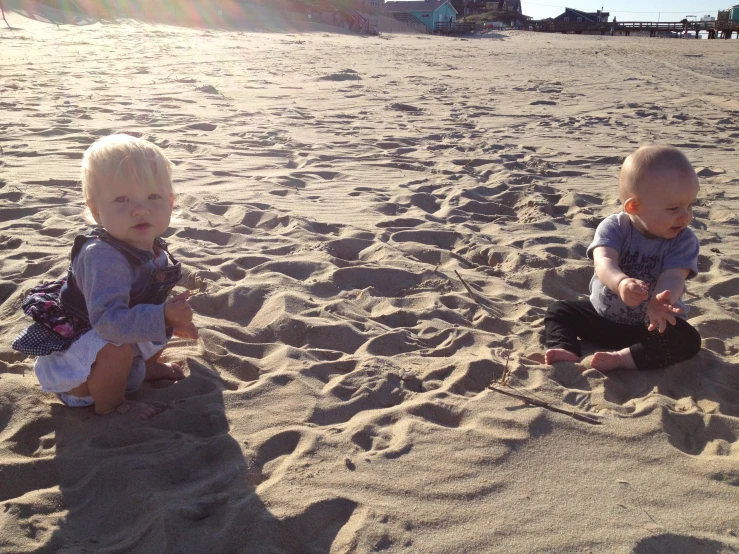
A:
<point x="331" y="191"/>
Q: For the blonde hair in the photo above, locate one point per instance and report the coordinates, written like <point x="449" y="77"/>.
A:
<point x="642" y="166"/>
<point x="124" y="159"/>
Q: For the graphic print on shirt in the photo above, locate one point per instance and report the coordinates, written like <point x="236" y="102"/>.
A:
<point x="636" y="265"/>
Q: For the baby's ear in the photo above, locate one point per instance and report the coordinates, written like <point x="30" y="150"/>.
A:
<point x="94" y="212"/>
<point x="171" y="201"/>
<point x="631" y="206"/>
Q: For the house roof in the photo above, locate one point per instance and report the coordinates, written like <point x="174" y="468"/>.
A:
<point x="513" y="5"/>
<point x="591" y="16"/>
<point x="418" y="6"/>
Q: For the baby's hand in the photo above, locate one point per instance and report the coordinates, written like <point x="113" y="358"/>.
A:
<point x="661" y="312"/>
<point x="188" y="332"/>
<point x="633" y="291"/>
<point x="177" y="312"/>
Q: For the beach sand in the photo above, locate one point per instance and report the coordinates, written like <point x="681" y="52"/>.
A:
<point x="328" y="187"/>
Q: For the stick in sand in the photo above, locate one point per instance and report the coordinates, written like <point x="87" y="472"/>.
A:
<point x="504" y="382"/>
<point x="492" y="310"/>
<point x="2" y="9"/>
<point x="545" y="405"/>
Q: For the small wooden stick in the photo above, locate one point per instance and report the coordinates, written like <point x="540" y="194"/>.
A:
<point x="469" y="290"/>
<point x="491" y="310"/>
<point x="506" y="373"/>
<point x="2" y="9"/>
<point x="541" y="404"/>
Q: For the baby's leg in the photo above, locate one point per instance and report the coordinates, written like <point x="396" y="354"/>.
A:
<point x="562" y="326"/>
<point x="156" y="370"/>
<point x="108" y="375"/>
<point x="107" y="383"/>
<point x="607" y="361"/>
<point x="652" y="349"/>
<point x="678" y="343"/>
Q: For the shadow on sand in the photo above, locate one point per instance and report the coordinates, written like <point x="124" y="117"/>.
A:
<point x="177" y="483"/>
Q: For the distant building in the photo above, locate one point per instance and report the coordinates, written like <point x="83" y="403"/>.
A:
<point x="505" y="6"/>
<point x="373" y="4"/>
<point x="571" y="15"/>
<point x="468" y="7"/>
<point x="708" y="18"/>
<point x="431" y="13"/>
<point x="729" y="14"/>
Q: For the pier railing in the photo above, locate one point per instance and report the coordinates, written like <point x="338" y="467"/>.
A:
<point x="454" y="27"/>
<point x="627" y="27"/>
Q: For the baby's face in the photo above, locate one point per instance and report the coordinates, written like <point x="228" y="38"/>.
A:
<point x="665" y="206"/>
<point x="134" y="213"/>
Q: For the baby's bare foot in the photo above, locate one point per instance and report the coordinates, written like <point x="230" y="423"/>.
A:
<point x="554" y="355"/>
<point x="156" y="371"/>
<point x="608" y="361"/>
<point x="144" y="411"/>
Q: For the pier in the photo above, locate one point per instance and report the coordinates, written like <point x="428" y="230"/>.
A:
<point x="715" y="29"/>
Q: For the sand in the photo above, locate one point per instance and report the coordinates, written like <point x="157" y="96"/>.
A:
<point x="329" y="186"/>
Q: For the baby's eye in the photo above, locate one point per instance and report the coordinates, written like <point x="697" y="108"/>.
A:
<point x="121" y="199"/>
<point x="154" y="197"/>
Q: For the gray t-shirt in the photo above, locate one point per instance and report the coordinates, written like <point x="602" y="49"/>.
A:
<point x="105" y="278"/>
<point x="641" y="258"/>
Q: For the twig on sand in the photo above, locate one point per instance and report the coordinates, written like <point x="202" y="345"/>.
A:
<point x="503" y="382"/>
<point x="542" y="404"/>
<point x="489" y="309"/>
<point x="506" y="372"/>
<point x="2" y="9"/>
<point x="469" y="290"/>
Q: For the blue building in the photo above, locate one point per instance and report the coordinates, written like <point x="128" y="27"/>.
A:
<point x="434" y="14"/>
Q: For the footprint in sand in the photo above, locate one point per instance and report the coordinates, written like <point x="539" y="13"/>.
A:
<point x="700" y="434"/>
<point x="272" y="456"/>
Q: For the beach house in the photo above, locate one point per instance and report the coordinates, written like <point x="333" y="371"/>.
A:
<point x="513" y="6"/>
<point x="509" y="11"/>
<point x="434" y="14"/>
<point x="571" y="15"/>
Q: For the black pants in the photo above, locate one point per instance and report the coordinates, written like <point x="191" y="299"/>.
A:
<point x="566" y="320"/>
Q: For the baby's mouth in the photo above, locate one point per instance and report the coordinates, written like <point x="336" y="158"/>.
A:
<point x="142" y="226"/>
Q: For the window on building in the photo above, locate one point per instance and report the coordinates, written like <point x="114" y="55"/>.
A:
<point x="567" y="19"/>
<point x="579" y="19"/>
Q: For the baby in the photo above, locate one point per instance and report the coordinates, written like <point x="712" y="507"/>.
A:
<point x="99" y="332"/>
<point x="642" y="257"/>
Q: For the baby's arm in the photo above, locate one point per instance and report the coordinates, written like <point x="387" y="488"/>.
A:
<point x="178" y="314"/>
<point x="105" y="278"/>
<point x="632" y="291"/>
<point x="670" y="286"/>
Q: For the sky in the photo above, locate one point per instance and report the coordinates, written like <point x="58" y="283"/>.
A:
<point x="629" y="10"/>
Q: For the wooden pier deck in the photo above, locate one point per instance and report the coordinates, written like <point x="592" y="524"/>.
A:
<point x="440" y="27"/>
<point x="715" y="29"/>
<point x="454" y="28"/>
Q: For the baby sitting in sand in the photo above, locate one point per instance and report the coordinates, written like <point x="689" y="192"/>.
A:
<point x="100" y="331"/>
<point x="642" y="257"/>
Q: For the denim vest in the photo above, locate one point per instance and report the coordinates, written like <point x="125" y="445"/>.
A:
<point x="152" y="286"/>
